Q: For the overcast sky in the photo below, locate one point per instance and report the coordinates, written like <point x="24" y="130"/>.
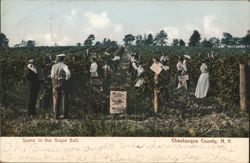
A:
<point x="67" y="22"/>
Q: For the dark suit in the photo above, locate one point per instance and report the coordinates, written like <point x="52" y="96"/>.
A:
<point x="34" y="88"/>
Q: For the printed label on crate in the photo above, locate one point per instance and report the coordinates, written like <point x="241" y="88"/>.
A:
<point x="118" y="101"/>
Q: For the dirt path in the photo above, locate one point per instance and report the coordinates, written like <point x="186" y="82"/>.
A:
<point x="121" y="77"/>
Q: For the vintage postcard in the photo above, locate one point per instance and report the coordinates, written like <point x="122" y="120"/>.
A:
<point x="124" y="81"/>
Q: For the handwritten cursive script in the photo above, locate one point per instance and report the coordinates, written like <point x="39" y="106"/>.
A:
<point x="121" y="150"/>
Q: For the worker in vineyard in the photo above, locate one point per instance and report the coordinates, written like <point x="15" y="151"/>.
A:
<point x="131" y="60"/>
<point x="93" y="68"/>
<point x="164" y="80"/>
<point x="95" y="81"/>
<point x="210" y="55"/>
<point x="140" y="76"/>
<point x="45" y="97"/>
<point x="203" y="82"/>
<point x="107" y="72"/>
<point x="87" y="53"/>
<point x="95" y="85"/>
<point x="60" y="74"/>
<point x="106" y="81"/>
<point x="116" y="61"/>
<point x="164" y="59"/>
<point x="107" y="57"/>
<point x="179" y="67"/>
<point x="134" y="66"/>
<point x="31" y="75"/>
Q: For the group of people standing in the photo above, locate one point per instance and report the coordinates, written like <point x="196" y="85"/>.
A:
<point x="55" y="75"/>
<point x="182" y="75"/>
<point x="53" y="83"/>
<point x="182" y="78"/>
<point x="101" y="70"/>
<point x="147" y="75"/>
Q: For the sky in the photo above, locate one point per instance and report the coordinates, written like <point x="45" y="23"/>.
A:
<point x="67" y="22"/>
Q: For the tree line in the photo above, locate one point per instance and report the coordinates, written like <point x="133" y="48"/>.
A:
<point x="160" y="39"/>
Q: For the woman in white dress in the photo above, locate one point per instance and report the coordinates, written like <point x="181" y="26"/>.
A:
<point x="203" y="82"/>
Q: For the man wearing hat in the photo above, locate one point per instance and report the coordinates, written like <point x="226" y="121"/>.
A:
<point x="179" y="67"/>
<point x="116" y="61"/>
<point x="59" y="74"/>
<point x="33" y="85"/>
<point x="164" y="59"/>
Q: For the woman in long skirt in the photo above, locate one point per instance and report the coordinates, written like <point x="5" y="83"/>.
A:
<point x="203" y="82"/>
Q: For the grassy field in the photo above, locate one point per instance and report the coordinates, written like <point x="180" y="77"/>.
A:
<point x="183" y="116"/>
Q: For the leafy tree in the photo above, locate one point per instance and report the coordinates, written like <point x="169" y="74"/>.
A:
<point x="236" y="41"/>
<point x="104" y="41"/>
<point x="246" y="39"/>
<point x="227" y="39"/>
<point x="4" y="41"/>
<point x="144" y="39"/>
<point x="107" y="43"/>
<point x="22" y="44"/>
<point x="30" y="44"/>
<point x="206" y="43"/>
<point x="149" y="40"/>
<point x="98" y="44"/>
<point x="182" y="43"/>
<point x="160" y="38"/>
<point x="175" y="42"/>
<point x="128" y="39"/>
<point x="91" y="37"/>
<point x="194" y="39"/>
<point x="78" y="44"/>
<point x="139" y="40"/>
<point x="89" y="41"/>
<point x="214" y="41"/>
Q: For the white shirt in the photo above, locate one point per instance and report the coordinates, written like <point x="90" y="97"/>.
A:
<point x="163" y="58"/>
<point x="139" y="83"/>
<point x="185" y="65"/>
<point x="179" y="66"/>
<point x="93" y="67"/>
<point x="134" y="65"/>
<point x="57" y="69"/>
<point x="116" y="58"/>
<point x="140" y="70"/>
<point x="165" y="68"/>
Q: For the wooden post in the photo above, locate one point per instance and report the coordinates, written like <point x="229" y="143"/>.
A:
<point x="100" y="102"/>
<point x="248" y="86"/>
<point x="243" y="98"/>
<point x="155" y="94"/>
<point x="155" y="101"/>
